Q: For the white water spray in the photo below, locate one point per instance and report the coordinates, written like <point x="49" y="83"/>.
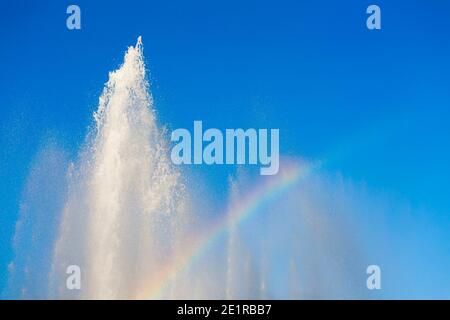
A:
<point x="125" y="220"/>
<point x="125" y="201"/>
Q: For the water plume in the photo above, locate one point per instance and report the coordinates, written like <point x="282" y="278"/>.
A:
<point x="127" y="219"/>
<point x="124" y="206"/>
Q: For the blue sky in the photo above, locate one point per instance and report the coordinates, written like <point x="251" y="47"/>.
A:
<point x="376" y="102"/>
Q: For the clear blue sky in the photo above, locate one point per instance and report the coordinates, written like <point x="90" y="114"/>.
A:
<point x="381" y="99"/>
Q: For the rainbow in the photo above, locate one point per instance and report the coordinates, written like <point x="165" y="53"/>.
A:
<point x="258" y="198"/>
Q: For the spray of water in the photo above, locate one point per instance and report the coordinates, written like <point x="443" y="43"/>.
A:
<point x="127" y="221"/>
<point x="125" y="202"/>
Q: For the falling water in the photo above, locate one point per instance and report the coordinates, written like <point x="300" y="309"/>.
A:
<point x="128" y="222"/>
<point x="125" y="201"/>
